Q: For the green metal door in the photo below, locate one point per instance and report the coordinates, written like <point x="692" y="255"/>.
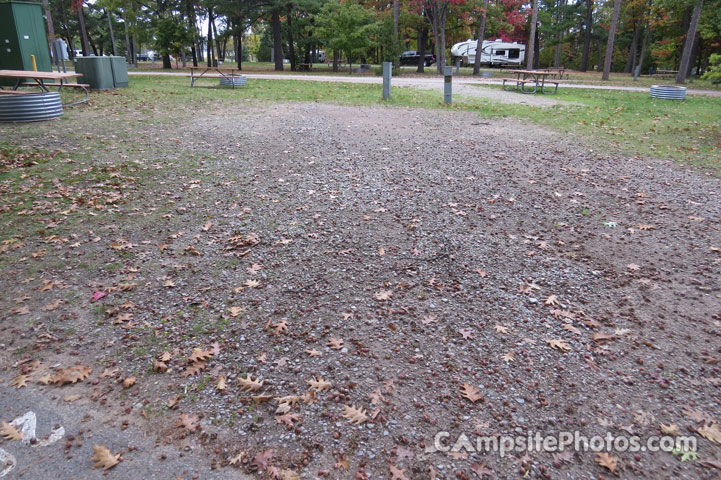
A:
<point x="22" y="34"/>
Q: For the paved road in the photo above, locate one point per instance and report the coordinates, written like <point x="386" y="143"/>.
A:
<point x="424" y="83"/>
<point x="65" y="433"/>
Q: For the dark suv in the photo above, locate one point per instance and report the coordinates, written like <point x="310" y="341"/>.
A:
<point x="410" y="57"/>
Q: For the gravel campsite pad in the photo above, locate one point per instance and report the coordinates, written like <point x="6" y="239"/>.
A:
<point x="319" y="290"/>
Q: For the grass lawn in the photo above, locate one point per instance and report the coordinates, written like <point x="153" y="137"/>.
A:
<point x="629" y="122"/>
<point x="574" y="77"/>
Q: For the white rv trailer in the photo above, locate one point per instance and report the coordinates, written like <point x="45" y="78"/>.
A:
<point x="495" y="52"/>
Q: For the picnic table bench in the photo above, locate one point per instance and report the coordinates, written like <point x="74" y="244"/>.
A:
<point x="557" y="72"/>
<point x="305" y="67"/>
<point x="538" y="78"/>
<point x="664" y="73"/>
<point x="30" y="78"/>
<point x="204" y="74"/>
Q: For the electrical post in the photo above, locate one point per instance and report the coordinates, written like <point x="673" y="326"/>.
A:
<point x="447" y="85"/>
<point x="387" y="75"/>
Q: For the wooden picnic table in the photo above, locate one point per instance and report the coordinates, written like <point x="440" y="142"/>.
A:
<point x="305" y="67"/>
<point x="204" y="74"/>
<point x="536" y="77"/>
<point x="38" y="79"/>
<point x="664" y="73"/>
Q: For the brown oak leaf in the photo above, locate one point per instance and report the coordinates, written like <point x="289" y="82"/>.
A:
<point x="607" y="461"/>
<point x="355" y="415"/>
<point x="10" y="432"/>
<point x="471" y="393"/>
<point x="103" y="458"/>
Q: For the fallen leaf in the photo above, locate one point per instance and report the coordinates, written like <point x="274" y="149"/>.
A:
<point x="481" y="470"/>
<point x="200" y="355"/>
<point x="710" y="432"/>
<point x="559" y="345"/>
<point x="397" y="473"/>
<point x="235" y="311"/>
<point x="189" y="422"/>
<point x="220" y="385"/>
<point x="52" y="306"/>
<point x="261" y="459"/>
<point x="319" y="384"/>
<point x="335" y="343"/>
<point x="383" y="295"/>
<point x="376" y="396"/>
<point x="73" y="374"/>
<point x="193" y="369"/>
<point x="288" y="419"/>
<point x="19" y="382"/>
<point x="355" y="415"/>
<point x="313" y="353"/>
<point x="552" y="300"/>
<point x="10" y="432"/>
<point x="671" y="429"/>
<point x="607" y="461"/>
<point x="471" y="393"/>
<point x="103" y="458"/>
<point x="250" y="384"/>
<point x="129" y="382"/>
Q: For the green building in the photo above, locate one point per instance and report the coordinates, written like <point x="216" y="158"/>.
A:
<point x="22" y="34"/>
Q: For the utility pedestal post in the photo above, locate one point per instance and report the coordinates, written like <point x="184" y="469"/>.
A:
<point x="387" y="74"/>
<point x="447" y="85"/>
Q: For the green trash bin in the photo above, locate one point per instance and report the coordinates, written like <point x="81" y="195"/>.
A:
<point x="120" y="71"/>
<point x="97" y="72"/>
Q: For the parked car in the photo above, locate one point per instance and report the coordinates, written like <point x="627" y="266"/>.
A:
<point x="410" y="57"/>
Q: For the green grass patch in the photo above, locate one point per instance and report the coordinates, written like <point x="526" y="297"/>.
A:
<point x="631" y="123"/>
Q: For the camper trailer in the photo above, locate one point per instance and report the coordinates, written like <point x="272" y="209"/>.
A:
<point x="496" y="53"/>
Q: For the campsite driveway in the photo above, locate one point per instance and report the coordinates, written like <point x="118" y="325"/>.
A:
<point x="251" y="279"/>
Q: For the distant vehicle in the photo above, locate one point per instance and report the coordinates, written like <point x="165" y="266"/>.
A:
<point x="411" y="57"/>
<point x="142" y="57"/>
<point x="496" y="53"/>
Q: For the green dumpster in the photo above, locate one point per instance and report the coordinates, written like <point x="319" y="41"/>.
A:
<point x="97" y="72"/>
<point x="120" y="71"/>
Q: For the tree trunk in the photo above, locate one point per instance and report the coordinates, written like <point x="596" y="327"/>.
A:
<point x="481" y="35"/>
<point x="396" y="17"/>
<point x="129" y="57"/>
<point x="291" y="46"/>
<point x="239" y="51"/>
<point x="599" y="64"/>
<point x="688" y="44"/>
<point x="422" y="41"/>
<point x="587" y="36"/>
<point x="218" y="46"/>
<point x="611" y="39"/>
<point x="644" y="44"/>
<point x="209" y="47"/>
<point x="561" y="8"/>
<point x="277" y="40"/>
<point x="631" y="61"/>
<point x="83" y="32"/>
<point x="190" y="15"/>
<point x="436" y="42"/>
<point x="335" y="61"/>
<point x="437" y="14"/>
<point x="51" y="33"/>
<point x="531" y="50"/>
<point x="110" y="28"/>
